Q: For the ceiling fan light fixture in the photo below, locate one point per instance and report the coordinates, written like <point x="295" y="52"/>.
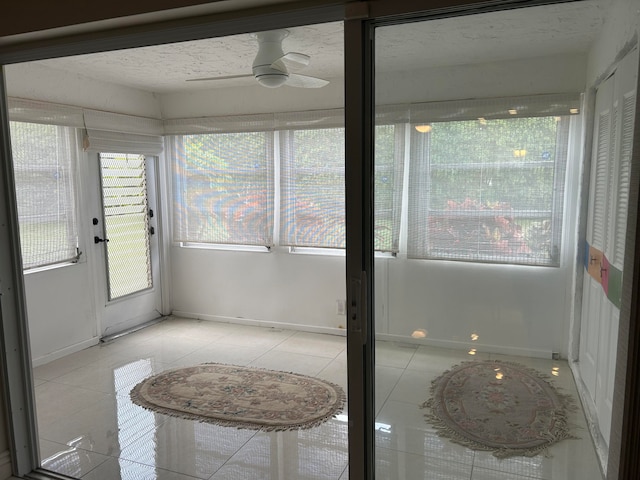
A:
<point x="272" y="80"/>
<point x="272" y="67"/>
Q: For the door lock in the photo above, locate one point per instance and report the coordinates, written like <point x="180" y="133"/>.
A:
<point x="99" y="240"/>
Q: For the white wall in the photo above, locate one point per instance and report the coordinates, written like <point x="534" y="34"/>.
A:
<point x="277" y="287"/>
<point x="621" y="29"/>
<point x="37" y="82"/>
<point x="60" y="311"/>
<point x="253" y="99"/>
<point x="61" y="301"/>
<point x="527" y="76"/>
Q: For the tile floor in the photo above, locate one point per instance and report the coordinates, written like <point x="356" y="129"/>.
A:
<point x="89" y="428"/>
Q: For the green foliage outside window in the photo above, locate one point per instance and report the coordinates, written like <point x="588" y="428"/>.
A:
<point x="491" y="189"/>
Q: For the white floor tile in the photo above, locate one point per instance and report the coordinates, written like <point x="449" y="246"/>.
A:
<point x="336" y="371"/>
<point x="221" y="353"/>
<point x="120" y="469"/>
<point x="413" y="387"/>
<point x="391" y="354"/>
<point x="192" y="448"/>
<point x="291" y="362"/>
<point x="56" y="401"/>
<point x="395" y="465"/>
<point x="68" y="459"/>
<point x="104" y="427"/>
<point x="89" y="427"/>
<point x="402" y="426"/>
<point x="314" y="344"/>
<point x="318" y="453"/>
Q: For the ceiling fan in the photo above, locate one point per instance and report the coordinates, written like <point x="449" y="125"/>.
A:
<point x="271" y="67"/>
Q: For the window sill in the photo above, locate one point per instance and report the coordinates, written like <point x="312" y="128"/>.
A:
<point x="332" y="252"/>
<point x="46" y="268"/>
<point x="223" y="247"/>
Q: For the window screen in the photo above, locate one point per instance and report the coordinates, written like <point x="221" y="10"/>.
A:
<point x="44" y="158"/>
<point x="488" y="190"/>
<point x="223" y="188"/>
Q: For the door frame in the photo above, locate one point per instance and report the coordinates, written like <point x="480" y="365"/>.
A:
<point x="99" y="253"/>
<point x="360" y="17"/>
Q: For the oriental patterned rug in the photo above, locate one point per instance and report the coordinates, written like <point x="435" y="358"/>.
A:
<point x="505" y="408"/>
<point x="241" y="397"/>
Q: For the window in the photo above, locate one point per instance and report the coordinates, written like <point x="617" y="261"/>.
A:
<point x="488" y="190"/>
<point x="223" y="188"/>
<point x="486" y="179"/>
<point x="312" y="212"/>
<point x="44" y="159"/>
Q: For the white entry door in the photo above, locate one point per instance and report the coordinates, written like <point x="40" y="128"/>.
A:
<point x="126" y="231"/>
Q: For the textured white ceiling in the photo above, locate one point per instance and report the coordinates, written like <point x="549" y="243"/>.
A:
<point x="514" y="34"/>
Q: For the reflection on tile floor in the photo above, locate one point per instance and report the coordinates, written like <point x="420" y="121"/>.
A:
<point x="89" y="428"/>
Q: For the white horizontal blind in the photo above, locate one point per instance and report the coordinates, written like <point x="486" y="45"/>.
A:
<point x="488" y="190"/>
<point x="113" y="132"/>
<point x="389" y="152"/>
<point x="221" y="124"/>
<point x="106" y="141"/>
<point x="312" y="211"/>
<point x="312" y="184"/>
<point x="44" y="158"/>
<point x="223" y="188"/>
<point x="495" y="108"/>
<point x="34" y="111"/>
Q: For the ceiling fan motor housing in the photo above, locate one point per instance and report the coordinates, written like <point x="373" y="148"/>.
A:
<point x="269" y="50"/>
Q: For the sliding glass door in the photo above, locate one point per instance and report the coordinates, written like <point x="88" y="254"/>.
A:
<point x="462" y="178"/>
<point x="464" y="164"/>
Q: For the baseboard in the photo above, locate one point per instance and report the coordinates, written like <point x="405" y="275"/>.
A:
<point x="526" y="352"/>
<point x="589" y="408"/>
<point x="50" y="357"/>
<point x="5" y="465"/>
<point x="139" y="326"/>
<point x="261" y="323"/>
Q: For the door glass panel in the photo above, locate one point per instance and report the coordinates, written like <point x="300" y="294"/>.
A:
<point x="126" y="220"/>
<point x="475" y="253"/>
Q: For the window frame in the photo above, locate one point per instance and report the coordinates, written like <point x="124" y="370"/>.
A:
<point x="179" y="183"/>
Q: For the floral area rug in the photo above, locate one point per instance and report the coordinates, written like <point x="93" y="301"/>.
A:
<point x="241" y="397"/>
<point x="505" y="408"/>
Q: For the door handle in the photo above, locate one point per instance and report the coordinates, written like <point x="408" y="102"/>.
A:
<point x="357" y="310"/>
<point x="99" y="240"/>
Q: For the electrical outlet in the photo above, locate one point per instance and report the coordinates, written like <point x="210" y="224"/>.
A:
<point x="341" y="307"/>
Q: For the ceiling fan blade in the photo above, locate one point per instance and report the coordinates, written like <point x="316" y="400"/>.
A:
<point x="292" y="60"/>
<point x="227" y="77"/>
<point x="305" y="81"/>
